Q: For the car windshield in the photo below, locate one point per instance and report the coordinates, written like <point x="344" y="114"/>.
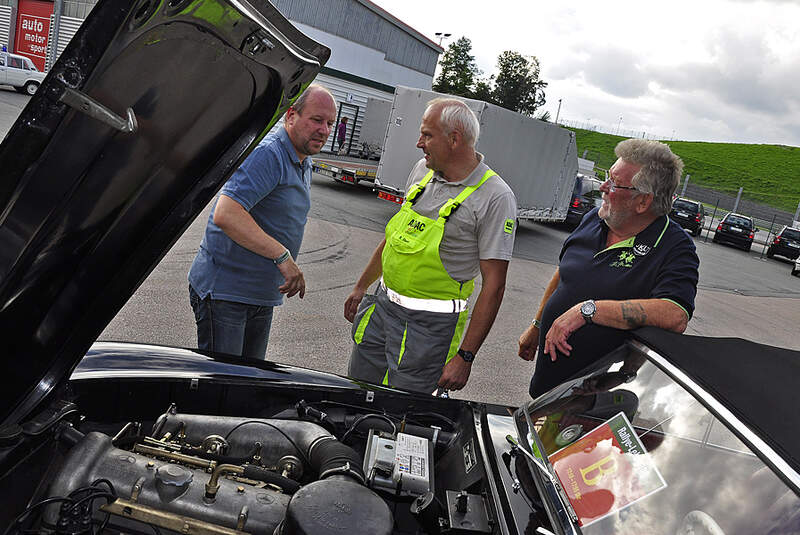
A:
<point x="739" y="220"/>
<point x="791" y="234"/>
<point x="682" y="204"/>
<point x="644" y="456"/>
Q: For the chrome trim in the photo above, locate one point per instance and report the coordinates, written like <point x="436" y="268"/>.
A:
<point x="501" y="519"/>
<point x="736" y="426"/>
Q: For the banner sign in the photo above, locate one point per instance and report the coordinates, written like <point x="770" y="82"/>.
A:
<point x="606" y="470"/>
<point x="33" y="27"/>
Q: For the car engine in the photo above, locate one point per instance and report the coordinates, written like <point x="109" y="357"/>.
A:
<point x="211" y="474"/>
<point x="283" y="475"/>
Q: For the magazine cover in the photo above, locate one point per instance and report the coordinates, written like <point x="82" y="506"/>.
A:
<point x="606" y="470"/>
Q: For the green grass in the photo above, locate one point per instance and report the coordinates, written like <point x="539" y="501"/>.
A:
<point x="769" y="174"/>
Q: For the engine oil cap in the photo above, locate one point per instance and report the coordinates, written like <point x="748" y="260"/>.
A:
<point x="568" y="435"/>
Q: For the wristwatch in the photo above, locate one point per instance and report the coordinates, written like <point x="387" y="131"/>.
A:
<point x="588" y="308"/>
<point x="468" y="356"/>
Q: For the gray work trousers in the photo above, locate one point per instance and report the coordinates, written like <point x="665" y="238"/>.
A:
<point x="402" y="348"/>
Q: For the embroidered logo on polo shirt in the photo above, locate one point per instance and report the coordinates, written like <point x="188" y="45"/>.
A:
<point x="641" y="249"/>
<point x="509" y="226"/>
<point x="624" y="260"/>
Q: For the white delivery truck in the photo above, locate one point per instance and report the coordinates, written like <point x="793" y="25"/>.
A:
<point x="538" y="160"/>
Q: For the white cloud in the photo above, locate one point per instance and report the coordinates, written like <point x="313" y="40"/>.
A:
<point x="714" y="70"/>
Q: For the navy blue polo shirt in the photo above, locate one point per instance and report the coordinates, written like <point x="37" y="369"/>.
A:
<point x="660" y="262"/>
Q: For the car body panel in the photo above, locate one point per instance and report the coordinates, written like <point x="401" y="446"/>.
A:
<point x="586" y="195"/>
<point x="735" y="229"/>
<point x="786" y="243"/>
<point x="17" y="70"/>
<point x="688" y="214"/>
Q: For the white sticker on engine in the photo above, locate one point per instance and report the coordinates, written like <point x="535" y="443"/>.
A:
<point x="412" y="455"/>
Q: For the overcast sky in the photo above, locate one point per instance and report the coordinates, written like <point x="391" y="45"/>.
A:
<point x="699" y="70"/>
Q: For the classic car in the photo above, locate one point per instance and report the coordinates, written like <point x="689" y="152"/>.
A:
<point x="105" y="168"/>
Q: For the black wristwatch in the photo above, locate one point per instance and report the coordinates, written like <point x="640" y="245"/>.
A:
<point x="588" y="308"/>
<point x="468" y="356"/>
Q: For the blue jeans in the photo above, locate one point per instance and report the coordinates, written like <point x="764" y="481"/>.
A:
<point x="229" y="327"/>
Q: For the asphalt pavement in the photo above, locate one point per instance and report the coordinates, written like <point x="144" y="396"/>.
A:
<point x="739" y="295"/>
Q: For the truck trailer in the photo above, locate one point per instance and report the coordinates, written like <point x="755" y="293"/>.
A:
<point x="537" y="159"/>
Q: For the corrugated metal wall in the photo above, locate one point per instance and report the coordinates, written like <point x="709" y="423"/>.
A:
<point x="78" y="8"/>
<point x="351" y="20"/>
<point x="69" y="27"/>
<point x="5" y="25"/>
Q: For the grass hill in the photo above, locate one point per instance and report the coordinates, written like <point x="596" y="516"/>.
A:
<point x="769" y="174"/>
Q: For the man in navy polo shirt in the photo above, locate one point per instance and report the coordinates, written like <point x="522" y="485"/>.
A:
<point x="627" y="265"/>
<point x="245" y="264"/>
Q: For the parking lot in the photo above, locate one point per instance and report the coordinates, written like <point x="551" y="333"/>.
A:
<point x="740" y="294"/>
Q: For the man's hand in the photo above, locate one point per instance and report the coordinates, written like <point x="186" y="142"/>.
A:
<point x="529" y="343"/>
<point x="562" y="328"/>
<point x="295" y="283"/>
<point x="352" y="302"/>
<point x="455" y="374"/>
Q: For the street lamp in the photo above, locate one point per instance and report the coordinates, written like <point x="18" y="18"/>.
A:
<point x="442" y="36"/>
<point x="619" y="124"/>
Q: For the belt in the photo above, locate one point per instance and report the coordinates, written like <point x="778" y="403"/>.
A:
<point x="449" y="306"/>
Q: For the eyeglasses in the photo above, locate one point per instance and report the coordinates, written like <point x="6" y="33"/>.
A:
<point x="612" y="186"/>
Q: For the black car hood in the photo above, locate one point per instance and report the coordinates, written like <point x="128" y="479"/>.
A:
<point x="88" y="207"/>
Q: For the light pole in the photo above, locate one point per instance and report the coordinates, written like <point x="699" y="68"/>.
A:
<point x="442" y="36"/>
<point x="559" y="110"/>
<point x="619" y="124"/>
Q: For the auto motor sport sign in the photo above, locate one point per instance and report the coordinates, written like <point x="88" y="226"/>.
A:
<point x="33" y="27"/>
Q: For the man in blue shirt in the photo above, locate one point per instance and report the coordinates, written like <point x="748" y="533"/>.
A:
<point x="627" y="265"/>
<point x="245" y="263"/>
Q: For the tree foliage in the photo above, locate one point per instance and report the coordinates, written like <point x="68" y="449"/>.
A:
<point x="458" y="70"/>
<point x="517" y="86"/>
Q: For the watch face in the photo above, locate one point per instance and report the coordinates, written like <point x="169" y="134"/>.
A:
<point x="588" y="308"/>
<point x="468" y="356"/>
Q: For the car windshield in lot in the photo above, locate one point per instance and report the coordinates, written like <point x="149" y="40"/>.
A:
<point x="681" y="468"/>
<point x="791" y="234"/>
<point x="682" y="204"/>
<point x="739" y="221"/>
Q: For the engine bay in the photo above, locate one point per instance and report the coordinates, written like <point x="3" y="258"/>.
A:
<point x="329" y="462"/>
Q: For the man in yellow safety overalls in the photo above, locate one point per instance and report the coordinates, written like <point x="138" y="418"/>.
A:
<point x="458" y="220"/>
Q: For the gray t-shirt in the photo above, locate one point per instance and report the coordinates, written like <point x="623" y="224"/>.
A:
<point x="479" y="228"/>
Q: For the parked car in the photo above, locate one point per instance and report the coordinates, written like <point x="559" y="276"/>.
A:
<point x="689" y="214"/>
<point x="667" y="434"/>
<point x="20" y="73"/>
<point x="736" y="229"/>
<point x="786" y="243"/>
<point x="586" y="195"/>
<point x="796" y="268"/>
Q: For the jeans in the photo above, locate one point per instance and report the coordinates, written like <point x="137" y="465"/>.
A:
<point x="229" y="327"/>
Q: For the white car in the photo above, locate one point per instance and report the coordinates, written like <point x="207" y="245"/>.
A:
<point x="19" y="72"/>
<point x="796" y="268"/>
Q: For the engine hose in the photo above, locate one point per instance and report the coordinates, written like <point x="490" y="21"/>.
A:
<point x="260" y="474"/>
<point x="329" y="457"/>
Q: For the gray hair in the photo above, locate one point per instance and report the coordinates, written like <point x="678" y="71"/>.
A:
<point x="301" y="101"/>
<point x="660" y="173"/>
<point x="454" y="114"/>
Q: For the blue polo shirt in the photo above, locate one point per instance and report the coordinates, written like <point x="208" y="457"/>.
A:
<point x="274" y="187"/>
<point x="660" y="262"/>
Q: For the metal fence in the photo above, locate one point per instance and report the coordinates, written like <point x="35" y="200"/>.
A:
<point x="751" y="203"/>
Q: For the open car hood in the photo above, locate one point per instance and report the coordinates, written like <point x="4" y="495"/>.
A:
<point x="144" y="116"/>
